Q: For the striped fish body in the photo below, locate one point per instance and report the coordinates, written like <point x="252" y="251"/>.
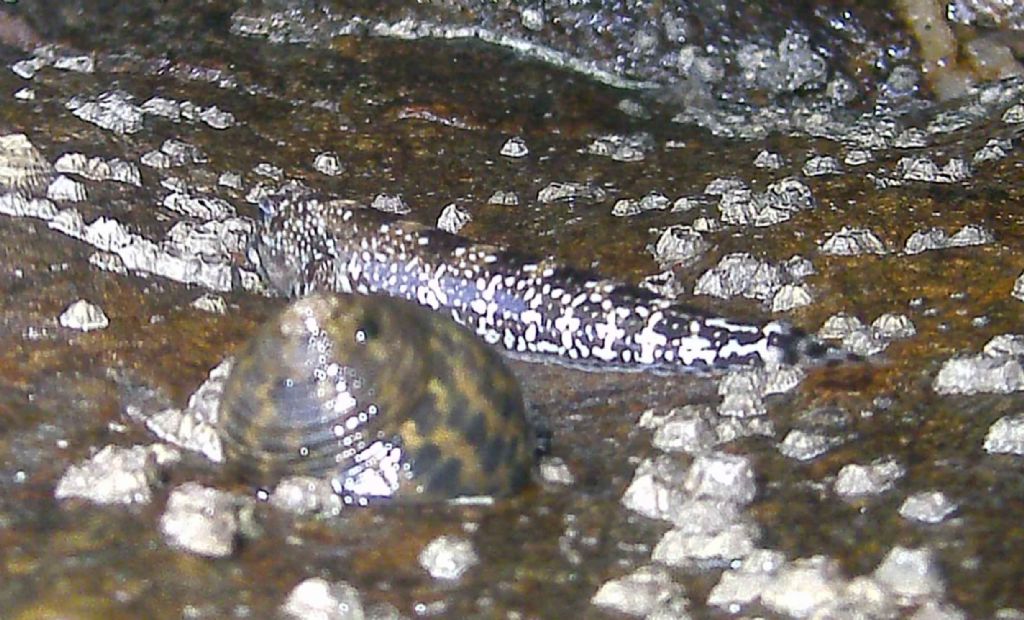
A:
<point x="536" y="309"/>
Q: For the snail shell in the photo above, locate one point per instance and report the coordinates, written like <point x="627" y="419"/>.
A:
<point x="380" y="396"/>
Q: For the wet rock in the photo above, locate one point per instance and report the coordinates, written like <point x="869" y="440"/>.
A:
<point x="448" y="557"/>
<point x="318" y="599"/>
<point x="856" y="481"/>
<point x="791" y="66"/>
<point x="910" y="574"/>
<point x="200" y="520"/>
<point x="927" y="507"/>
<point x="1006" y="436"/>
<point x="117" y="475"/>
<point x="84" y="316"/>
<point x="638" y="593"/>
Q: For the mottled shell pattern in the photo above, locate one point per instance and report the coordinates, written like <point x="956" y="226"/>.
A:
<point x="22" y="166"/>
<point x="380" y="396"/>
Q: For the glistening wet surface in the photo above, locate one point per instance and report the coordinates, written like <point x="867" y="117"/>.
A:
<point x="886" y="223"/>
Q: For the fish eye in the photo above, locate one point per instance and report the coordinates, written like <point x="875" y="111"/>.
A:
<point x="367" y="330"/>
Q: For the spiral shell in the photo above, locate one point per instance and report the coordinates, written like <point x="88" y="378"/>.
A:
<point x="380" y="396"/>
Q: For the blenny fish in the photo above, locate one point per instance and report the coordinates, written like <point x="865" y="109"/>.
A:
<point x="535" y="308"/>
